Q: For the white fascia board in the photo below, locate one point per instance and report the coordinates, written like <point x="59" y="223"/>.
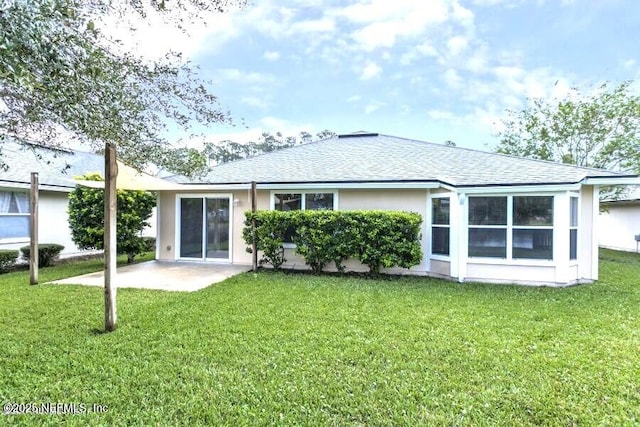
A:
<point x="629" y="180"/>
<point x="350" y="185"/>
<point x="212" y="187"/>
<point x="520" y="189"/>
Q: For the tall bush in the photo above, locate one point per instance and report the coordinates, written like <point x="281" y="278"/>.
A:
<point x="378" y="239"/>
<point x="86" y="218"/>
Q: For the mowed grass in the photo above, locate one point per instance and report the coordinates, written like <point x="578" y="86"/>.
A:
<point x="292" y="349"/>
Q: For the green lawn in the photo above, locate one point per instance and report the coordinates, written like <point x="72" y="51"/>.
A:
<point x="298" y="349"/>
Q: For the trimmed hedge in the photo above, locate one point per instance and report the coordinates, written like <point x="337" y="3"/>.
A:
<point x="47" y="253"/>
<point x="8" y="259"/>
<point x="378" y="239"/>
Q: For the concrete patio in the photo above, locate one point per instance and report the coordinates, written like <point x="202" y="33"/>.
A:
<point x="166" y="276"/>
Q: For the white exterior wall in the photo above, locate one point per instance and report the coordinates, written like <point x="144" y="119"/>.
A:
<point x="53" y="224"/>
<point x="618" y="226"/>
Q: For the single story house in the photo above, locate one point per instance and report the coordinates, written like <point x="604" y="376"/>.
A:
<point x="620" y="222"/>
<point x="487" y="217"/>
<point x="56" y="169"/>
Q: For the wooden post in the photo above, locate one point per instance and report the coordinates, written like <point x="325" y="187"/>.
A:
<point x="110" y="250"/>
<point x="33" y="227"/>
<point x="254" y="247"/>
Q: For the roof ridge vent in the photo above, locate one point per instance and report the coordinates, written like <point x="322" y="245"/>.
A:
<point x="358" y="134"/>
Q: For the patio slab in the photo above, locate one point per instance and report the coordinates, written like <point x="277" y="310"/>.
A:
<point x="163" y="275"/>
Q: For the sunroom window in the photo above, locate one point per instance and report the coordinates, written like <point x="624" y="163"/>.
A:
<point x="573" y="229"/>
<point x="511" y="227"/>
<point x="440" y="217"/>
<point x="14" y="215"/>
<point x="533" y="227"/>
<point x="488" y="227"/>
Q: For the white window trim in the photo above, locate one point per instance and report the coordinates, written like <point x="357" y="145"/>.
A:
<point x="179" y="197"/>
<point x="509" y="227"/>
<point x="439" y="257"/>
<point x="303" y="202"/>
<point x="574" y="262"/>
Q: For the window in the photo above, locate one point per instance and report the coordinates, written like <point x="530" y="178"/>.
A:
<point x="14" y="215"/>
<point x="573" y="229"/>
<point x="488" y="227"/>
<point x="301" y="201"/>
<point x="533" y="227"/>
<point x="511" y="227"/>
<point x="440" y="212"/>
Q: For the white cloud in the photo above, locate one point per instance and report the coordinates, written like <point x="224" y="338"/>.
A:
<point x="247" y="77"/>
<point x="456" y="45"/>
<point x="440" y="115"/>
<point x="452" y="78"/>
<point x="380" y="23"/>
<point x="254" y="101"/>
<point x="354" y="98"/>
<point x="271" y="55"/>
<point x="156" y="34"/>
<point x="373" y="106"/>
<point x="370" y="71"/>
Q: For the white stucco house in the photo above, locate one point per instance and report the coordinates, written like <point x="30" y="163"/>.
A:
<point x="619" y="222"/>
<point x="487" y="217"/>
<point x="56" y="169"/>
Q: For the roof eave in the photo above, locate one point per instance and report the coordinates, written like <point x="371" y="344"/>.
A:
<point x="612" y="180"/>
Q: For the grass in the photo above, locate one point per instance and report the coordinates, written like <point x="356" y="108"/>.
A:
<point x="299" y="349"/>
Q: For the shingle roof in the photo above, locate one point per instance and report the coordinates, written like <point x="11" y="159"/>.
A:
<point x="363" y="157"/>
<point x="56" y="168"/>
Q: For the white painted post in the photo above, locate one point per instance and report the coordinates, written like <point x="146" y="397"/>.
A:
<point x="33" y="228"/>
<point x="595" y="248"/>
<point x="110" y="250"/>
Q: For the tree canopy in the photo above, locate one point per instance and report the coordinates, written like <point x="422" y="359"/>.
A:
<point x="600" y="130"/>
<point x="227" y="151"/>
<point x="62" y="77"/>
<point x="86" y="217"/>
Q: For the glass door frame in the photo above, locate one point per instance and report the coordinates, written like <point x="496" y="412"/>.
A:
<point x="178" y="225"/>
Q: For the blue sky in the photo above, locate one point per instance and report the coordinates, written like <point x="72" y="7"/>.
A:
<point x="432" y="70"/>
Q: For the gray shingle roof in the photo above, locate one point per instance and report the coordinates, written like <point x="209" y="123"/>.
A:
<point x="365" y="157"/>
<point x="56" y="168"/>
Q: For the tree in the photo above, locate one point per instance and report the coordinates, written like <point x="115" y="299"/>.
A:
<point x="227" y="151"/>
<point x="62" y="77"/>
<point x="601" y="130"/>
<point x="86" y="218"/>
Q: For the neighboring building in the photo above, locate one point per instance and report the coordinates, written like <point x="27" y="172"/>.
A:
<point x="487" y="217"/>
<point x="56" y="169"/>
<point x="619" y="222"/>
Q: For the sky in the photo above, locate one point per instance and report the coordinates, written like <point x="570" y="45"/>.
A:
<point x="433" y="70"/>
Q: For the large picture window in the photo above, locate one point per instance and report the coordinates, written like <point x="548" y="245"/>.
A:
<point x="301" y="201"/>
<point x="516" y="227"/>
<point x="533" y="227"/>
<point x="440" y="224"/>
<point x="488" y="227"/>
<point x="14" y="215"/>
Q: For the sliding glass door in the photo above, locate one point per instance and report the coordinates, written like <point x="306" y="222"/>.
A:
<point x="205" y="227"/>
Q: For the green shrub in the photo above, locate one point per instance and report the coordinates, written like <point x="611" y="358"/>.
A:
<point x="47" y="253"/>
<point x="270" y="228"/>
<point x="149" y="243"/>
<point x="7" y="259"/>
<point x="378" y="239"/>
